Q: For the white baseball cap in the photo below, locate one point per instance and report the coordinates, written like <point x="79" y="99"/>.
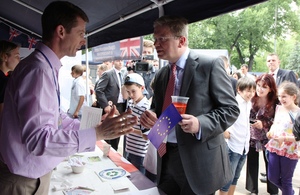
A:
<point x="134" y="78"/>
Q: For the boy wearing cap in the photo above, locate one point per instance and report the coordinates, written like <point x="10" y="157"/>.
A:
<point x="136" y="142"/>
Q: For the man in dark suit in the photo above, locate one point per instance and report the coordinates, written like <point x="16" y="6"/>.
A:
<point x="226" y="66"/>
<point x="196" y="160"/>
<point x="279" y="75"/>
<point x="108" y="88"/>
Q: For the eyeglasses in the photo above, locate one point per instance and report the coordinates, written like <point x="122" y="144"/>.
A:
<point x="163" y="39"/>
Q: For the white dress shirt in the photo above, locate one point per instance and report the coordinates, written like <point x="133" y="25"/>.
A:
<point x="240" y="130"/>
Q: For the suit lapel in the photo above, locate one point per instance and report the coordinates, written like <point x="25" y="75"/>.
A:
<point x="115" y="78"/>
<point x="188" y="75"/>
<point x="278" y="77"/>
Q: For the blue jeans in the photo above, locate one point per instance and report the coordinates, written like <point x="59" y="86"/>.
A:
<point x="237" y="162"/>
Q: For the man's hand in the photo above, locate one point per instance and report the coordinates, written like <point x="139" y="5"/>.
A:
<point x="113" y="127"/>
<point x="108" y="109"/>
<point x="148" y="119"/>
<point x="189" y="123"/>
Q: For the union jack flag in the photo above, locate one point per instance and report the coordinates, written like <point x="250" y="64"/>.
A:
<point x="130" y="47"/>
<point x="13" y="33"/>
<point x="31" y="42"/>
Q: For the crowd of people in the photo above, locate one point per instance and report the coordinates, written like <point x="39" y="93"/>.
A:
<point x="277" y="94"/>
<point x="229" y="119"/>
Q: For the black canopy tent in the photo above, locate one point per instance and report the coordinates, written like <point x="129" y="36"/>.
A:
<point x="113" y="20"/>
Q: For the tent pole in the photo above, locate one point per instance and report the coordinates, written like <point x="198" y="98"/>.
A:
<point x="12" y="23"/>
<point x="28" y="6"/>
<point x="161" y="13"/>
<point x="87" y="71"/>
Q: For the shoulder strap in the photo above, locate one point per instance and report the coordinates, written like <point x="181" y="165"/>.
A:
<point x="292" y="117"/>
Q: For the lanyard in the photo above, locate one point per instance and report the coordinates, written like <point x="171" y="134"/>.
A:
<point x="54" y="78"/>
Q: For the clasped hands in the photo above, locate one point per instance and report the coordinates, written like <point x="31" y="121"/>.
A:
<point x="280" y="139"/>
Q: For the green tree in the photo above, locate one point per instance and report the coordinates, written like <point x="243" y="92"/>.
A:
<point x="284" y="49"/>
<point x="294" y="59"/>
<point x="246" y="32"/>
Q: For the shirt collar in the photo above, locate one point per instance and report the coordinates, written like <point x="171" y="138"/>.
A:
<point x="142" y="102"/>
<point x="117" y="71"/>
<point x="182" y="60"/>
<point x="52" y="57"/>
<point x="240" y="99"/>
<point x="275" y="72"/>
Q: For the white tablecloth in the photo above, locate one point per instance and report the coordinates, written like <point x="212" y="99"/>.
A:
<point x="89" y="178"/>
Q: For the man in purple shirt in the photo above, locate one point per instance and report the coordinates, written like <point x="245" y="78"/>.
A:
<point x="35" y="136"/>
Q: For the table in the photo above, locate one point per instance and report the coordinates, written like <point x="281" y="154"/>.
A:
<point x="135" y="183"/>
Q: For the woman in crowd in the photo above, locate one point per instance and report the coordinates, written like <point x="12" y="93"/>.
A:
<point x="236" y="75"/>
<point x="9" y="58"/>
<point x="262" y="114"/>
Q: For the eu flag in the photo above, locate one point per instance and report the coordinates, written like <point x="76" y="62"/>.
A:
<point x="163" y="126"/>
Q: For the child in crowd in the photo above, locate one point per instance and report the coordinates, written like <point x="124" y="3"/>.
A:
<point x="136" y="142"/>
<point x="78" y="92"/>
<point x="282" y="146"/>
<point x="238" y="135"/>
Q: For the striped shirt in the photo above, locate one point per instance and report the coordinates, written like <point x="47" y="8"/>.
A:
<point x="135" y="144"/>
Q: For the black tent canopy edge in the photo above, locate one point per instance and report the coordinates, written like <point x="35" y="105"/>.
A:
<point x="102" y="13"/>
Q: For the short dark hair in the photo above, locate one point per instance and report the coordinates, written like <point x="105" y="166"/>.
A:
<point x="244" y="65"/>
<point x="177" y="24"/>
<point x="78" y="69"/>
<point x="238" y="74"/>
<point x="60" y="13"/>
<point x="245" y="83"/>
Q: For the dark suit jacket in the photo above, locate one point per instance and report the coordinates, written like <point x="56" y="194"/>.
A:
<point x="211" y="100"/>
<point x="285" y="75"/>
<point x="233" y="84"/>
<point x="107" y="89"/>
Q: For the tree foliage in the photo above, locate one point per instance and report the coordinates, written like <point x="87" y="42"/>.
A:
<point x="251" y="34"/>
<point x="246" y="32"/>
<point x="294" y="59"/>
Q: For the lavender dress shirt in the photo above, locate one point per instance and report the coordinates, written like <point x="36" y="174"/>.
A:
<point x="31" y="143"/>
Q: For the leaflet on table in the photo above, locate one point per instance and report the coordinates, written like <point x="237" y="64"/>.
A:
<point x="91" y="117"/>
<point x="78" y="191"/>
<point x="112" y="173"/>
<point x="150" y="191"/>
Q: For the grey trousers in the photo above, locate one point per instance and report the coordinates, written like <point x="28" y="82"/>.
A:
<point x="18" y="185"/>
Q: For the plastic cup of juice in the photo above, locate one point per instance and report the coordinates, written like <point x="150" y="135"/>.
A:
<point x="180" y="103"/>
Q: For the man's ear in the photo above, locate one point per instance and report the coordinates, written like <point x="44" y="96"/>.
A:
<point x="4" y="57"/>
<point x="60" y="31"/>
<point x="182" y="40"/>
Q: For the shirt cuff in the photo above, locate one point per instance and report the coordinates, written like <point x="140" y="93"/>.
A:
<point x="87" y="140"/>
<point x="198" y="135"/>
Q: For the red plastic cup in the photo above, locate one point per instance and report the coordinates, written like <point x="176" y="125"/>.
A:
<point x="180" y="103"/>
